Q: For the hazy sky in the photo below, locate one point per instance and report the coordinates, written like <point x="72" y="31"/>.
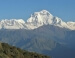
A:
<point x="10" y="9"/>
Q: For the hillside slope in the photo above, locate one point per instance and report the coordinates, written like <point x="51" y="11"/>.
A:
<point x="48" y="39"/>
<point x="7" y="51"/>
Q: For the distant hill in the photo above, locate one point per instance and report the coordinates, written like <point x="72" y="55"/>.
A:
<point x="48" y="40"/>
<point x="7" y="51"/>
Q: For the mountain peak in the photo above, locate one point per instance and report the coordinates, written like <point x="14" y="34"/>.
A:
<point x="45" y="12"/>
<point x="44" y="17"/>
<point x="40" y="17"/>
<point x="12" y="24"/>
<point x="12" y="20"/>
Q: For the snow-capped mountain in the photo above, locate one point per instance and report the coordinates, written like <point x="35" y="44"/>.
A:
<point x="12" y="24"/>
<point x="36" y="20"/>
<point x="44" y="17"/>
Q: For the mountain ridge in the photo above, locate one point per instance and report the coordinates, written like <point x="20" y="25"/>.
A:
<point x="36" y="20"/>
<point x="7" y="51"/>
<point x="48" y="39"/>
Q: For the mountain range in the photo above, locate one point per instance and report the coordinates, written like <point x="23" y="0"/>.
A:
<point x="36" y="20"/>
<point x="41" y="33"/>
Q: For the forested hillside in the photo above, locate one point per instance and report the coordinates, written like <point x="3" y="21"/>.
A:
<point x="7" y="51"/>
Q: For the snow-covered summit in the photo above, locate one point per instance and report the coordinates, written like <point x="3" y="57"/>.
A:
<point x="44" y="17"/>
<point x="13" y="20"/>
<point x="36" y="20"/>
<point x="12" y="24"/>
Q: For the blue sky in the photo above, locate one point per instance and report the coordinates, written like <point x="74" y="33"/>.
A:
<point x="10" y="9"/>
